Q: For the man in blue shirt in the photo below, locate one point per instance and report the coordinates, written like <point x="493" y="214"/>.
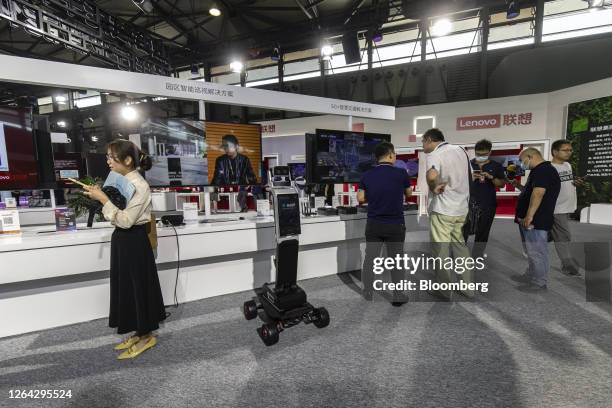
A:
<point x="486" y="176"/>
<point x="384" y="188"/>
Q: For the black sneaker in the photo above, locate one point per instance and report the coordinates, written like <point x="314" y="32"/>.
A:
<point x="532" y="288"/>
<point x="398" y="304"/>
<point x="570" y="271"/>
<point x="437" y="294"/>
<point x="524" y="278"/>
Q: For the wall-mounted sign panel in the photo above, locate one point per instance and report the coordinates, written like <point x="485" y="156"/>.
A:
<point x="72" y="76"/>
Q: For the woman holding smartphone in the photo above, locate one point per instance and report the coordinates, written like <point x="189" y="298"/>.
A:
<point x="136" y="303"/>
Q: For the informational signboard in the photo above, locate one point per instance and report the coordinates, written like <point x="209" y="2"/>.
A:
<point x="596" y="153"/>
<point x="65" y="219"/>
<point x="589" y="128"/>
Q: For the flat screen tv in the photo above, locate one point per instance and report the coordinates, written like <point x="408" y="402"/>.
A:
<point x="178" y="150"/>
<point x="337" y="156"/>
<point x="18" y="166"/>
<point x="195" y="153"/>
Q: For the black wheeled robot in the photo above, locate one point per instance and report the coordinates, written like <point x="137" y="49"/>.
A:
<point x="284" y="304"/>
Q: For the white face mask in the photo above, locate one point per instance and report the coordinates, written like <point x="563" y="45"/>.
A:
<point x="525" y="164"/>
<point x="482" y="158"/>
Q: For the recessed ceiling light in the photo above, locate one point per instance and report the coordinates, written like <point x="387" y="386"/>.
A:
<point x="215" y="12"/>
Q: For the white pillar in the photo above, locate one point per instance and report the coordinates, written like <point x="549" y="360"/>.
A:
<point x="201" y="110"/>
<point x="350" y="123"/>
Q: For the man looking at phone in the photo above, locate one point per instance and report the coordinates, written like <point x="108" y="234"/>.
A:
<point x="486" y="176"/>
<point x="566" y="204"/>
<point x="448" y="177"/>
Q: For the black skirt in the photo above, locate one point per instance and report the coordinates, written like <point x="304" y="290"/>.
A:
<point x="136" y="302"/>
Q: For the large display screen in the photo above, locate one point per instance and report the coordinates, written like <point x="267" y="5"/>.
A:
<point x="336" y="156"/>
<point x="178" y="150"/>
<point x="234" y="153"/>
<point x="197" y="153"/>
<point x="18" y="167"/>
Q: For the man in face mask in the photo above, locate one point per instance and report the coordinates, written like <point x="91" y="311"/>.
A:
<point x="534" y="214"/>
<point x="486" y="176"/>
<point x="233" y="168"/>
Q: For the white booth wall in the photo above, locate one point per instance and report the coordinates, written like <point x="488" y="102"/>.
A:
<point x="549" y="113"/>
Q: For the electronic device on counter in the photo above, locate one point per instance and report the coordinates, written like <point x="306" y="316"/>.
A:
<point x="362" y="209"/>
<point x="346" y="210"/>
<point x="327" y="211"/>
<point x="173" y="219"/>
<point x="284" y="304"/>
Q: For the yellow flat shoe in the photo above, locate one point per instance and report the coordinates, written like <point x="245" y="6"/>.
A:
<point x="126" y="344"/>
<point x="133" y="352"/>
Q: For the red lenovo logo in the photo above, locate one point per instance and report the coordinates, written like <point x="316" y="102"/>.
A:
<point x="479" y="122"/>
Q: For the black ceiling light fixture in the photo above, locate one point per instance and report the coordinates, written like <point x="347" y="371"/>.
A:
<point x="145" y="5"/>
<point x="514" y="9"/>
<point x="195" y="71"/>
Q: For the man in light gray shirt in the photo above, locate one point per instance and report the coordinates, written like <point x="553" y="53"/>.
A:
<point x="448" y="177"/>
<point x="566" y="204"/>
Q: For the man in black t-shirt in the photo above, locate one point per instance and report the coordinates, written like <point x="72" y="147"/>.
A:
<point x="535" y="214"/>
<point x="486" y="176"/>
<point x="384" y="188"/>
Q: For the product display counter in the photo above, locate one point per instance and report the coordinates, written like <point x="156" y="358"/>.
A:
<point x="50" y="279"/>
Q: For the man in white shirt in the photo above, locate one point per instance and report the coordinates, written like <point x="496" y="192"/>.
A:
<point x="448" y="177"/>
<point x="566" y="205"/>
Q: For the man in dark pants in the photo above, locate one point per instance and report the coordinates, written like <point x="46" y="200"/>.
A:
<point x="486" y="176"/>
<point x="384" y="188"/>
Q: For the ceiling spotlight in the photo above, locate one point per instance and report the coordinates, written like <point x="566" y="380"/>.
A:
<point x="90" y="119"/>
<point x="145" y="5"/>
<point x="61" y="123"/>
<point x="275" y="54"/>
<point x="94" y="138"/>
<point x="194" y="70"/>
<point x="236" y="66"/>
<point x="327" y="51"/>
<point x="214" y="11"/>
<point x="595" y="3"/>
<point x="514" y="9"/>
<point x="441" y="27"/>
<point x="129" y="113"/>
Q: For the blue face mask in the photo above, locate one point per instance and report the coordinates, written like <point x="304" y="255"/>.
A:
<point x="482" y="158"/>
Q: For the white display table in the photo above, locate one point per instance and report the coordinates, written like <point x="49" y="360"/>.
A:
<point x="50" y="279"/>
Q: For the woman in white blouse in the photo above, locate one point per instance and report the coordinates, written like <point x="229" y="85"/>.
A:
<point x="136" y="303"/>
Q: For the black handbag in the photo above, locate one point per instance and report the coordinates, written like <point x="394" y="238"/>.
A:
<point x="114" y="196"/>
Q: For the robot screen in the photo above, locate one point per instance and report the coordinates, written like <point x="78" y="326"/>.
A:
<point x="288" y="215"/>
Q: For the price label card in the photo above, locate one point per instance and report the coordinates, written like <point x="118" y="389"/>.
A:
<point x="9" y="222"/>
<point x="190" y="211"/>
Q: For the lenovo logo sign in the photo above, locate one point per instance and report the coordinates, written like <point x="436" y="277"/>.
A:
<point x="479" y="122"/>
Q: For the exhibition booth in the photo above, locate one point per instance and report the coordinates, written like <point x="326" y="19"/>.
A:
<point x="55" y="267"/>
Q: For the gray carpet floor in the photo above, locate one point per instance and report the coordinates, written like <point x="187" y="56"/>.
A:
<point x="506" y="348"/>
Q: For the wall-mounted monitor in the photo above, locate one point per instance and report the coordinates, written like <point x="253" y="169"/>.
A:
<point x="178" y="150"/>
<point x="197" y="153"/>
<point x="18" y="165"/>
<point x="337" y="156"/>
<point x="234" y="153"/>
